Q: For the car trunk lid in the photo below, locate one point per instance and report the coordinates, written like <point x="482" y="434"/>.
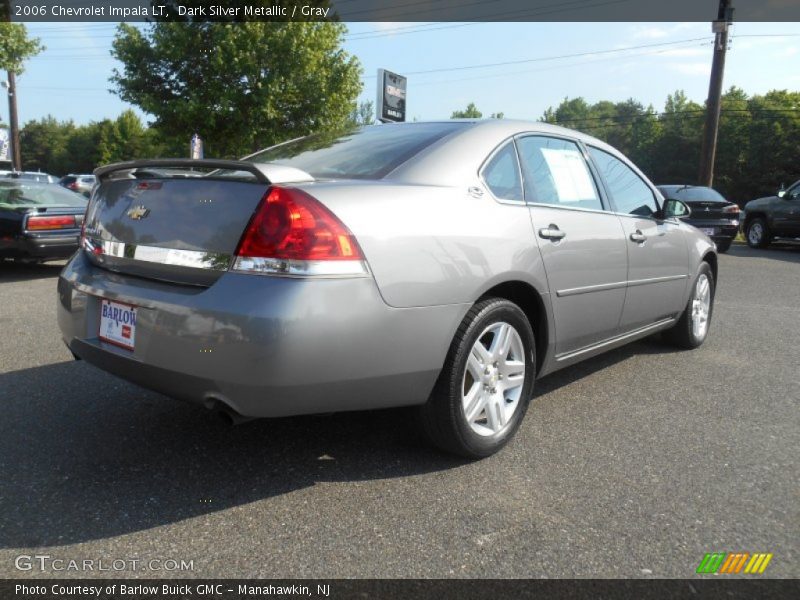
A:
<point x="709" y="210"/>
<point x="156" y="219"/>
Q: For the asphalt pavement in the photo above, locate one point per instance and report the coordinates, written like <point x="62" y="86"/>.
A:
<point x="633" y="464"/>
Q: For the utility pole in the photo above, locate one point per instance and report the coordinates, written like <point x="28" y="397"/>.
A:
<point x="709" y="151"/>
<point x="16" y="157"/>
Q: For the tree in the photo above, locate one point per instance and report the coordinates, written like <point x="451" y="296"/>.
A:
<point x="61" y="147"/>
<point x="242" y="87"/>
<point x="363" y="113"/>
<point x="16" y="47"/>
<point x="676" y="154"/>
<point x="471" y="112"/>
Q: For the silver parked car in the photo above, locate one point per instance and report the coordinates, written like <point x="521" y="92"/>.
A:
<point x="445" y="265"/>
<point x="82" y="184"/>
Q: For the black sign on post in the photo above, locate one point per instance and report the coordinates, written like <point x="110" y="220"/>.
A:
<point x="391" y="102"/>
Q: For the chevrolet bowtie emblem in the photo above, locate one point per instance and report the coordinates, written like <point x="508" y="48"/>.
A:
<point x="138" y="213"/>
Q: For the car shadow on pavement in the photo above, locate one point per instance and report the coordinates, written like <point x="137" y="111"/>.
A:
<point x="13" y="271"/>
<point x="785" y="251"/>
<point x="86" y="456"/>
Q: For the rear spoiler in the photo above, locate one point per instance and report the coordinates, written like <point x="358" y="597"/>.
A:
<point x="263" y="172"/>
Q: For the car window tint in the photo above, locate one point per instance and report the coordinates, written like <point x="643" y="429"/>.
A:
<point x="502" y="174"/>
<point x="629" y="192"/>
<point x="556" y="173"/>
<point x="19" y="194"/>
<point x="692" y="193"/>
<point x="370" y="152"/>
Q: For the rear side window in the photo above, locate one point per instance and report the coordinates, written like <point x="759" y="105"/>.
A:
<point x="556" y="173"/>
<point x="21" y="194"/>
<point x="502" y="175"/>
<point x="631" y="195"/>
<point x="363" y="153"/>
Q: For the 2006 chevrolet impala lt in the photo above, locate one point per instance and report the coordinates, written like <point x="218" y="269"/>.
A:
<point x="445" y="265"/>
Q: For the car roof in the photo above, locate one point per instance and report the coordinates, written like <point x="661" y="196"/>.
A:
<point x="457" y="156"/>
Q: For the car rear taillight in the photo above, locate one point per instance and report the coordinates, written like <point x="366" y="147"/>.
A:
<point x="292" y="233"/>
<point x="46" y="223"/>
<point x="73" y="186"/>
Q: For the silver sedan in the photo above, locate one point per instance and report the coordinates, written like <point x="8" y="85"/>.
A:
<point x="442" y="265"/>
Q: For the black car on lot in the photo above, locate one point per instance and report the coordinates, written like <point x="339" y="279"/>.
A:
<point x="772" y="217"/>
<point x="38" y="221"/>
<point x="711" y="212"/>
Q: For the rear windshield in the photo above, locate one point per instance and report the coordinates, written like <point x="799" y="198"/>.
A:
<point x="19" y="194"/>
<point x="40" y="177"/>
<point x="691" y="193"/>
<point x="369" y="152"/>
<point x="68" y="179"/>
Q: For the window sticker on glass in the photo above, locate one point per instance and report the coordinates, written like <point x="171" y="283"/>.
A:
<point x="571" y="178"/>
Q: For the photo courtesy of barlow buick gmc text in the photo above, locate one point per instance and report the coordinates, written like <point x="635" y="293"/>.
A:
<point x="369" y="299"/>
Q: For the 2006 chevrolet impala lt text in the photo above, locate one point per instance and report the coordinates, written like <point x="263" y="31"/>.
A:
<point x="445" y="265"/>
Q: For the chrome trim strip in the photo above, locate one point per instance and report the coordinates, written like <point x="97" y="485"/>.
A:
<point x="300" y="268"/>
<point x="636" y="282"/>
<point x="616" y="339"/>
<point x="616" y="285"/>
<point x="194" y="259"/>
<point x="591" y="288"/>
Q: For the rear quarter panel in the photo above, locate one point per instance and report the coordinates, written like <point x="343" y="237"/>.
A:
<point x="429" y="245"/>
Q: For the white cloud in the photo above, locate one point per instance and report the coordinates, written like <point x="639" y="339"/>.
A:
<point x="787" y="52"/>
<point x="649" y="33"/>
<point x="665" y="30"/>
<point x="691" y="68"/>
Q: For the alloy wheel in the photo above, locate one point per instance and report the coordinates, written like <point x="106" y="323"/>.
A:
<point x="701" y="306"/>
<point x="755" y="233"/>
<point x="493" y="379"/>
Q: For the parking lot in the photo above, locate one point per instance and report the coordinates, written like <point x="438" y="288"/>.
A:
<point x="634" y="464"/>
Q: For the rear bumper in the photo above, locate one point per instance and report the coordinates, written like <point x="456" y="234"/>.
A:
<point x="265" y="346"/>
<point x="724" y="229"/>
<point x="40" y="245"/>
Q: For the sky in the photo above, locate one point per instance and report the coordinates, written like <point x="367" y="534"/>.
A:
<point x="519" y="69"/>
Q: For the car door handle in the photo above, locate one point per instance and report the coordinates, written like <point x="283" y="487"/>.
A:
<point x="638" y="237"/>
<point x="552" y="232"/>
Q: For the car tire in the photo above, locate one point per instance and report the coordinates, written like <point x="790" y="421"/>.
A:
<point x="691" y="330"/>
<point x="489" y="373"/>
<point x="724" y="246"/>
<point x="757" y="233"/>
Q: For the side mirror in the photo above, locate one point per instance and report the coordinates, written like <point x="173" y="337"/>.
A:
<point x="675" y="209"/>
<point x="781" y="193"/>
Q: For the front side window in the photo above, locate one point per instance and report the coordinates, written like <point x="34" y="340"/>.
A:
<point x="502" y="176"/>
<point x="631" y="195"/>
<point x="556" y="173"/>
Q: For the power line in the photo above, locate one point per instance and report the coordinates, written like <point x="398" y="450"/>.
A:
<point x="546" y="58"/>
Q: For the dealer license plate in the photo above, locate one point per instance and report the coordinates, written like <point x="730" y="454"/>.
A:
<point x="118" y="324"/>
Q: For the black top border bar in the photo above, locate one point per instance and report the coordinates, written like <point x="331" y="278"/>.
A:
<point x="200" y="11"/>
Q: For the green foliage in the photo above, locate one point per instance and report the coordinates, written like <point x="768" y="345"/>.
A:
<point x="363" y="114"/>
<point x="16" y="47"/>
<point x="61" y="147"/>
<point x="757" y="146"/>
<point x="242" y="87"/>
<point x="471" y="112"/>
